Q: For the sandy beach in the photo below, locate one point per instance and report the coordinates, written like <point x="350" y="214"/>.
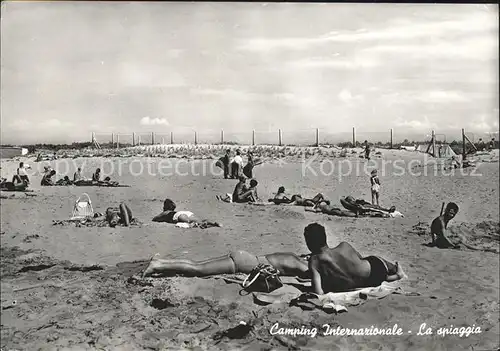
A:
<point x="72" y="290"/>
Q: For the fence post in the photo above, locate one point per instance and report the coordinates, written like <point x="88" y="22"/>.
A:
<point x="171" y="137"/>
<point x="253" y="137"/>
<point x="317" y="137"/>
<point x="279" y="137"/>
<point x="391" y="137"/>
<point x="138" y="140"/>
<point x="93" y="138"/>
<point x="112" y="139"/>
<point x="464" y="154"/>
<point x="353" y="136"/>
<point x="222" y="136"/>
<point x="152" y="138"/>
<point x="117" y="141"/>
<point x="133" y="139"/>
<point x="434" y="143"/>
<point x="195" y="138"/>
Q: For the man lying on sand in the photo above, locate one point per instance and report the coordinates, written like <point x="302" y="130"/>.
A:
<point x="342" y="268"/>
<point x="323" y="207"/>
<point x="288" y="264"/>
<point x="13" y="186"/>
<point x="169" y="215"/>
<point x="439" y="227"/>
<point x="121" y="215"/>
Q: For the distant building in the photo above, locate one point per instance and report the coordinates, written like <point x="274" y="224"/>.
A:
<point x="12" y="151"/>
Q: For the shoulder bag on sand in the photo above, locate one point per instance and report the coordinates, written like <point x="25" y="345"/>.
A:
<point x="263" y="278"/>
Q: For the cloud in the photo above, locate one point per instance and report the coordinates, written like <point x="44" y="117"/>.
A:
<point x="339" y="63"/>
<point x="441" y="96"/>
<point x="478" y="48"/>
<point x="474" y="23"/>
<point x="147" y="121"/>
<point x="346" y="96"/>
<point x="424" y="124"/>
<point x="483" y="123"/>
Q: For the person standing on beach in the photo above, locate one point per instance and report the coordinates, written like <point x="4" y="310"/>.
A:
<point x="375" y="187"/>
<point x="236" y="165"/>
<point x="439" y="227"/>
<point x="226" y="163"/>
<point x="342" y="268"/>
<point x="367" y="150"/>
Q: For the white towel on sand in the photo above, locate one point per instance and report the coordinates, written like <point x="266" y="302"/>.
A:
<point x="338" y="301"/>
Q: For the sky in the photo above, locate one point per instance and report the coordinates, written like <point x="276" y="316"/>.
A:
<point x="70" y="68"/>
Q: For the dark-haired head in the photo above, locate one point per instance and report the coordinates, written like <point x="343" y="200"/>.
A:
<point x="281" y="190"/>
<point x="21" y="164"/>
<point x="315" y="236"/>
<point x="168" y="205"/>
<point x="53" y="172"/>
<point x="238" y="152"/>
<point x="451" y="210"/>
<point x="254" y="183"/>
<point x="98" y="170"/>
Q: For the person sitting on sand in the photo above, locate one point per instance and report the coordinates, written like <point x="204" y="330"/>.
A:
<point x="96" y="177"/>
<point x="47" y="178"/>
<point x="169" y="215"/>
<point x="288" y="264"/>
<point x="342" y="268"/>
<point x="121" y="215"/>
<point x="439" y="227"/>
<point x="21" y="176"/>
<point x="241" y="193"/>
<point x="64" y="181"/>
<point x="78" y="175"/>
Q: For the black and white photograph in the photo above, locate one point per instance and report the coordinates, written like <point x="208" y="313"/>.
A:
<point x="249" y="176"/>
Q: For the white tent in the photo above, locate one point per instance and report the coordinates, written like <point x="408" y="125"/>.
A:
<point x="442" y="150"/>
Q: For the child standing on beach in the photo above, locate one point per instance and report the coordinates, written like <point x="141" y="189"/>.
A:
<point x="375" y="182"/>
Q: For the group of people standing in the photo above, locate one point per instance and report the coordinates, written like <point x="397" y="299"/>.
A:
<point x="233" y="166"/>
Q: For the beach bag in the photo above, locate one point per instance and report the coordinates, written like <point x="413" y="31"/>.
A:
<point x="263" y="278"/>
<point x="83" y="208"/>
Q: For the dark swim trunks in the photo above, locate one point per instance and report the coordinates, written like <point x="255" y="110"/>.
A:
<point x="379" y="271"/>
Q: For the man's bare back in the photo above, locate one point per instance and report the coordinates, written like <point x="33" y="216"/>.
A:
<point x="342" y="268"/>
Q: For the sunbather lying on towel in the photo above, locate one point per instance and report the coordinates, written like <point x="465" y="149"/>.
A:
<point x="342" y="268"/>
<point x="297" y="200"/>
<point x="288" y="264"/>
<point x="11" y="186"/>
<point x="323" y="207"/>
<point x="169" y="215"/>
<point x="64" y="181"/>
<point x="121" y="215"/>
<point x="363" y="208"/>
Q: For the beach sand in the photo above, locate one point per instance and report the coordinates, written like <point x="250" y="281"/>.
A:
<point x="70" y="284"/>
